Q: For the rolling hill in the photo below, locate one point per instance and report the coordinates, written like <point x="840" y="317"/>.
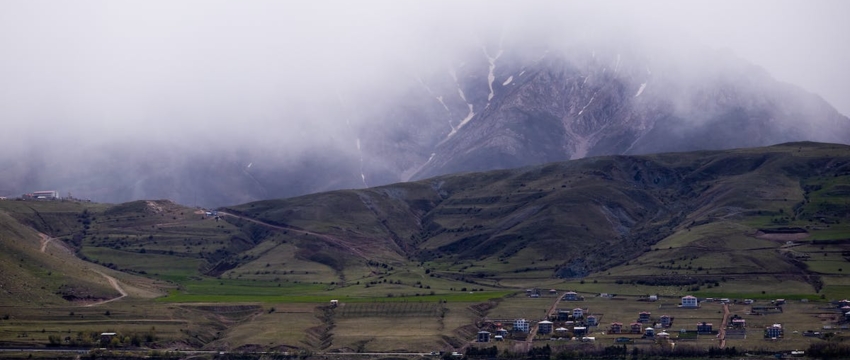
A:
<point x="567" y="219"/>
<point x="760" y="223"/>
<point x="496" y="229"/>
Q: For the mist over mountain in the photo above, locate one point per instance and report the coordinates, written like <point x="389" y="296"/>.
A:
<point x="226" y="107"/>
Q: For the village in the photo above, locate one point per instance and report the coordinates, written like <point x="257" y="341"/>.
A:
<point x="653" y="320"/>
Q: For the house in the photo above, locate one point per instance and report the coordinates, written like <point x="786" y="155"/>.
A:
<point x="615" y="328"/>
<point x="644" y="316"/>
<point x="578" y="313"/>
<point x="483" y="336"/>
<point x="649" y="332"/>
<point x="521" y="325"/>
<point x="704" y="328"/>
<point x="334" y="303"/>
<point x="765" y="309"/>
<point x="666" y="321"/>
<point x="653" y="297"/>
<point x="544" y="327"/>
<point x="773" y="332"/>
<point x="579" y="331"/>
<point x="663" y="335"/>
<point x="570" y="296"/>
<point x="635" y="328"/>
<point x="779" y="302"/>
<point x="592" y="320"/>
<point x="499" y="338"/>
<point x="45" y="195"/>
<point x="739" y="323"/>
<point x="561" y="330"/>
<point x="843" y="303"/>
<point x="689" y="301"/>
<point x="748" y="301"/>
<point x="563" y="315"/>
<point x="106" y="338"/>
<point x="553" y="292"/>
<point x="501" y="332"/>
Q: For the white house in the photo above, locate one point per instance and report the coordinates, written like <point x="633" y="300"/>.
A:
<point x="521" y="325"/>
<point x="689" y="301"/>
<point x="578" y="313"/>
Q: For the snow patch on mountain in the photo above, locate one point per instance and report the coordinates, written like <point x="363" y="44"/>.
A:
<point x="491" y="76"/>
<point x="640" y="91"/>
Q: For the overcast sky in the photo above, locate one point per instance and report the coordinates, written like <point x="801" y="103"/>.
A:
<point x="170" y="69"/>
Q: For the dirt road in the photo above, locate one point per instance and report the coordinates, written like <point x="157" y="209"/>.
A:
<point x="115" y="284"/>
<point x="722" y="334"/>
<point x="44" y="241"/>
<point x="533" y="331"/>
<point x="339" y="242"/>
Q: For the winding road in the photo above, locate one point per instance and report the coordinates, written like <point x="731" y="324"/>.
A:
<point x="45" y="241"/>
<point x="115" y="284"/>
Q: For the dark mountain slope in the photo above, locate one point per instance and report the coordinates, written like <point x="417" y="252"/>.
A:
<point x="582" y="215"/>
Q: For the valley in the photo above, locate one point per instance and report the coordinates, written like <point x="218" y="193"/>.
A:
<point x="425" y="265"/>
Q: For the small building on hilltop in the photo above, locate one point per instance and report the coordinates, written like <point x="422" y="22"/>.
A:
<point x="592" y="320"/>
<point x="570" y="296"/>
<point x="644" y="316"/>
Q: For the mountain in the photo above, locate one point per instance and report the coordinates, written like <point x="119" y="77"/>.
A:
<point x="570" y="218"/>
<point x="503" y="104"/>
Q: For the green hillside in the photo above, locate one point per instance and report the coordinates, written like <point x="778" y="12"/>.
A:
<point x="574" y="219"/>
<point x="441" y="254"/>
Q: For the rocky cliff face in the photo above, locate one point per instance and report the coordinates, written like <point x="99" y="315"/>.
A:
<point x="573" y="105"/>
<point x="499" y="106"/>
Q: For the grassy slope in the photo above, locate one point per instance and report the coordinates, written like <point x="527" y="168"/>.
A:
<point x="574" y="218"/>
<point x="33" y="276"/>
<point x="668" y="224"/>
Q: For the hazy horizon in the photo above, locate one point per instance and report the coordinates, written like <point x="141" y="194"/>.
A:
<point x="89" y="76"/>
